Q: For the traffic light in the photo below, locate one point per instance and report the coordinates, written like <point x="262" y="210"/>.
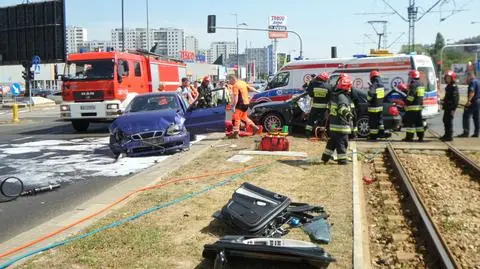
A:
<point x="31" y="75"/>
<point x="211" y="24"/>
<point x="288" y="58"/>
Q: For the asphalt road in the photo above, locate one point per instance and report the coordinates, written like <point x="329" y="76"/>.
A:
<point x="42" y="150"/>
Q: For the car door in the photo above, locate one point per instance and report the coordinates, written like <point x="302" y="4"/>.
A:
<point x="206" y="120"/>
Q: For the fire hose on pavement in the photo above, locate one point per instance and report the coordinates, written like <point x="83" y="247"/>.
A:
<point x="12" y="187"/>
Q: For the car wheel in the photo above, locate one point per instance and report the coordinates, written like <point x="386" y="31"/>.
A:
<point x="80" y="125"/>
<point x="363" y="127"/>
<point x="271" y="119"/>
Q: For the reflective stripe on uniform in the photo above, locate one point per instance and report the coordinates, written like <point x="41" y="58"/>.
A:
<point x="381" y="127"/>
<point x="410" y="98"/>
<point x="320" y="92"/>
<point x="410" y="130"/>
<point x="374" y="131"/>
<point x="308" y="128"/>
<point x="315" y="105"/>
<point x="355" y="129"/>
<point x="375" y="109"/>
<point x="328" y="152"/>
<point x="340" y="128"/>
<point x="419" y="130"/>
<point x="369" y="98"/>
<point x="341" y="156"/>
<point x="420" y="91"/>
<point x="413" y="108"/>
<point x="380" y="93"/>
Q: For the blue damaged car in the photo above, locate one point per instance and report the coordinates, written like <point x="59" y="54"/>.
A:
<point x="162" y="122"/>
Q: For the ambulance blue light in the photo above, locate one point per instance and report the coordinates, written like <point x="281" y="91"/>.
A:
<point x="360" y="56"/>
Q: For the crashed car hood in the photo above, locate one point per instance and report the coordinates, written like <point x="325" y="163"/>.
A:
<point x="132" y="123"/>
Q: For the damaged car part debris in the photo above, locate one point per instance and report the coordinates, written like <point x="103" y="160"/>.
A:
<point x="229" y="248"/>
<point x="261" y="214"/>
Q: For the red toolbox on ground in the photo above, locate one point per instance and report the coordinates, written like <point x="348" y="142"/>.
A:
<point x="274" y="141"/>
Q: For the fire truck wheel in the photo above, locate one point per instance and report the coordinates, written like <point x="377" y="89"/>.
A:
<point x="80" y="125"/>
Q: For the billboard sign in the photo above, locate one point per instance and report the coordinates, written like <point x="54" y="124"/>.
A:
<point x="278" y="23"/>
<point x="187" y="56"/>
<point x="460" y="69"/>
<point x="31" y="29"/>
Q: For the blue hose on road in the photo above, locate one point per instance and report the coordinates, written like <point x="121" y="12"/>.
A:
<point x="128" y="219"/>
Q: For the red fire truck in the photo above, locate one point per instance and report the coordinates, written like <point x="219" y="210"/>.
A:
<point x="97" y="86"/>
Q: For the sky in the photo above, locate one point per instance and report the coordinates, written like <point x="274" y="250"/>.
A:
<point x="320" y="23"/>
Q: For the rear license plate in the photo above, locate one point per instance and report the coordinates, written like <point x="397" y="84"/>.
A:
<point x="87" y="107"/>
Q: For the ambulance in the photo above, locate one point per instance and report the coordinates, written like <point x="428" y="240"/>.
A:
<point x="393" y="69"/>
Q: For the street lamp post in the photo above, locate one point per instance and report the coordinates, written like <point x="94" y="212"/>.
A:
<point x="238" y="53"/>
<point x="123" y="28"/>
<point x="148" y="27"/>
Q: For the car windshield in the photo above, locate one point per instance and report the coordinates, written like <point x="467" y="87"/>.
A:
<point x="89" y="70"/>
<point x="427" y="76"/>
<point x="280" y="80"/>
<point x="152" y="103"/>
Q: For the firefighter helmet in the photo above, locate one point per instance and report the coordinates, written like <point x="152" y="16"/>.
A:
<point x="345" y="84"/>
<point x="451" y="74"/>
<point x="374" y="73"/>
<point x="323" y="76"/>
<point x="414" y="74"/>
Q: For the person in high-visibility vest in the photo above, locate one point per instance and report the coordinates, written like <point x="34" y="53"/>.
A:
<point x="376" y="93"/>
<point x="319" y="90"/>
<point x="340" y="117"/>
<point x="413" y="111"/>
<point x="240" y="102"/>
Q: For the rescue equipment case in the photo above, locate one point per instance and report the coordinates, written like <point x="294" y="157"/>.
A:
<point x="274" y="143"/>
<point x="255" y="211"/>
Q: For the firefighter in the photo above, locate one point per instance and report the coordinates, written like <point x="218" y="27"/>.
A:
<point x="376" y="93"/>
<point x="413" y="111"/>
<point x="205" y="98"/>
<point x="340" y="118"/>
<point x="472" y="107"/>
<point x="240" y="101"/>
<point x="449" y="104"/>
<point x="319" y="91"/>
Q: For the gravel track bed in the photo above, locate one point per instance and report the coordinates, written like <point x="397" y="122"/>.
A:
<point x="452" y="197"/>
<point x="475" y="157"/>
<point x="391" y="229"/>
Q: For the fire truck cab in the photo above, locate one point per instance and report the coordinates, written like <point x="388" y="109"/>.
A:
<point x="98" y="86"/>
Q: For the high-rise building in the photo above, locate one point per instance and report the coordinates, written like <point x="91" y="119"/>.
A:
<point x="97" y="45"/>
<point x="75" y="37"/>
<point x="227" y="49"/>
<point x="130" y="38"/>
<point x="260" y="59"/>
<point x="191" y="44"/>
<point x="169" y="41"/>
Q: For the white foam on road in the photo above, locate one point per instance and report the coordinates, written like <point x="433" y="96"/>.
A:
<point x="68" y="160"/>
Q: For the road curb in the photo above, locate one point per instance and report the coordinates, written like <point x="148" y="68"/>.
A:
<point x="361" y="252"/>
<point x="145" y="178"/>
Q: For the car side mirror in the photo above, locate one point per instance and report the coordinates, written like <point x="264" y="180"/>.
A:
<point x="119" y="78"/>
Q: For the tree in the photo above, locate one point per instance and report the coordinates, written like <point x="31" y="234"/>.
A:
<point x="436" y="49"/>
<point x="439" y="44"/>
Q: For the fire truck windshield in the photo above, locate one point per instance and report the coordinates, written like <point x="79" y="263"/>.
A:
<point x="89" y="70"/>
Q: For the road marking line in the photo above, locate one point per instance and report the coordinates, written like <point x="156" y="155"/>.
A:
<point x="23" y="138"/>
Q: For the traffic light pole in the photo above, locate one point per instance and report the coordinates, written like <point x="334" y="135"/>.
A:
<point x="266" y="30"/>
